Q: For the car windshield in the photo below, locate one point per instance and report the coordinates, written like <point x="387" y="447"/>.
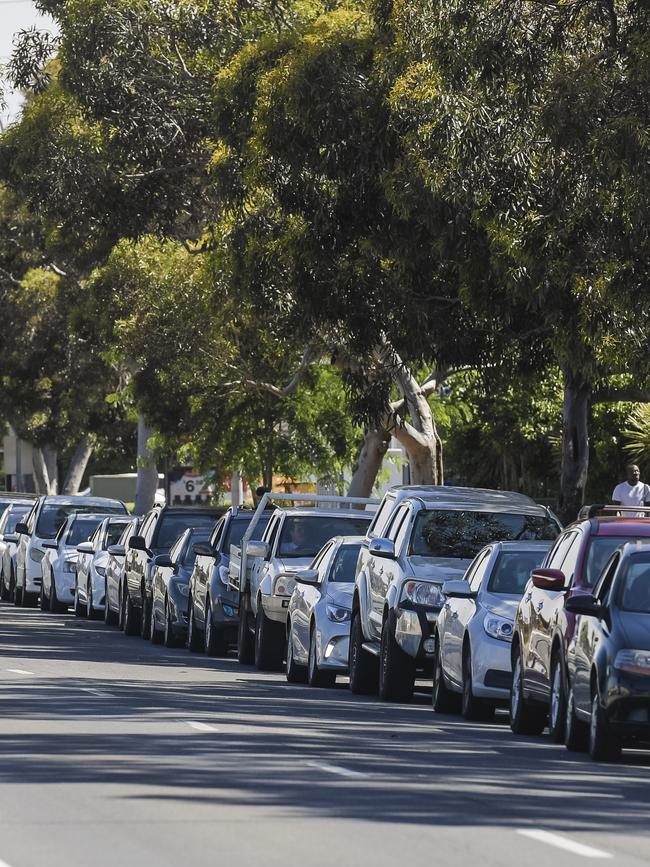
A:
<point x="304" y="536"/>
<point x="461" y="534"/>
<point x="53" y="516"/>
<point x="634" y="586"/>
<point x="600" y="550"/>
<point x="344" y="566"/>
<point x="14" y="517"/>
<point x="172" y="524"/>
<point x="114" y="532"/>
<point x="196" y="538"/>
<point x="238" y="527"/>
<point x="80" y="531"/>
<point x="512" y="571"/>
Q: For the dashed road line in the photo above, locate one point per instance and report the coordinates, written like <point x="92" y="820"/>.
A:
<point x="563" y="843"/>
<point x="201" y="726"/>
<point x="337" y="769"/>
<point x="20" y="671"/>
<point x="99" y="692"/>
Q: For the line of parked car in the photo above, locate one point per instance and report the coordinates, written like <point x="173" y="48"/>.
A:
<point x="483" y="592"/>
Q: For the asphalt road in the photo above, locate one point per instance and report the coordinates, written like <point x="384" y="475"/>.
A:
<point x="115" y="752"/>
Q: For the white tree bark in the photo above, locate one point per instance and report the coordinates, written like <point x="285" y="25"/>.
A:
<point x="147" y="480"/>
<point x="41" y="476"/>
<point x="51" y="455"/>
<point x="77" y="466"/>
<point x="371" y="456"/>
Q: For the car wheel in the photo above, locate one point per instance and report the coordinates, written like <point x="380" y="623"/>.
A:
<point x="129" y="615"/>
<point x="245" y="640"/>
<point x="604" y="746"/>
<point x="472" y="708"/>
<point x="317" y="676"/>
<point x="364" y="668"/>
<point x="444" y="700"/>
<point x="44" y="600"/>
<point x="576" y="732"/>
<point x="79" y="608"/>
<point x="91" y="613"/>
<point x="4" y="588"/>
<point x="156" y="635"/>
<point x="269" y="642"/>
<point x="169" y="637"/>
<point x="557" y="709"/>
<point x="18" y="596"/>
<point x="396" y="668"/>
<point x="194" y="642"/>
<point x="214" y="644"/>
<point x="110" y="617"/>
<point x="296" y="673"/>
<point x="145" y="616"/>
<point x="526" y="718"/>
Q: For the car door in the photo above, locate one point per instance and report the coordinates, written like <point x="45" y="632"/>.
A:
<point x="202" y="570"/>
<point x="260" y="565"/>
<point x="382" y="571"/>
<point x="307" y="595"/>
<point x="457" y="617"/>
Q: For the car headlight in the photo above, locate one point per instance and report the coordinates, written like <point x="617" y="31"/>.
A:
<point x="424" y="593"/>
<point x="634" y="661"/>
<point x="498" y="627"/>
<point x="338" y="615"/>
<point x="179" y="587"/>
<point x="69" y="565"/>
<point x="36" y="555"/>
<point x="223" y="575"/>
<point x="101" y="570"/>
<point x="283" y="585"/>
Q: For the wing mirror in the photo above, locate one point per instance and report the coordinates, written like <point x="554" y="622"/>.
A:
<point x="22" y="529"/>
<point x="85" y="548"/>
<point x="307" y="576"/>
<point x="586" y="605"/>
<point x="254" y="548"/>
<point x="116" y="550"/>
<point x="163" y="560"/>
<point x="137" y="543"/>
<point x="202" y="549"/>
<point x="10" y="537"/>
<point x="548" y="579"/>
<point x="382" y="548"/>
<point x="458" y="590"/>
<point x="50" y="543"/>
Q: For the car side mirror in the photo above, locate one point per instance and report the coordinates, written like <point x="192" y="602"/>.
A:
<point x="163" y="560"/>
<point x="85" y="548"/>
<point x="456" y="589"/>
<point x="116" y="550"/>
<point x="548" y="579"/>
<point x="307" y="576"/>
<point x="137" y="543"/>
<point x="202" y="549"/>
<point x="586" y="605"/>
<point x="51" y="543"/>
<point x="382" y="548"/>
<point x="10" y="537"/>
<point x="22" y="529"/>
<point x="254" y="548"/>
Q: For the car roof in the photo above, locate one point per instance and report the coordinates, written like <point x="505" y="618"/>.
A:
<point x="453" y="493"/>
<point x="635" y="547"/>
<point x="83" y="501"/>
<point x="618" y="526"/>
<point x="524" y="545"/>
<point x="327" y="513"/>
<point x="183" y="510"/>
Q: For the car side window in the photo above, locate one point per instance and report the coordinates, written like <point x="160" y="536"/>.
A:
<point x="176" y="550"/>
<point x="379" y="522"/>
<point x="149" y="526"/>
<point x="3" y="521"/>
<point x="404" y="531"/>
<point x="478" y="574"/>
<point x="217" y="534"/>
<point x="396" y="523"/>
<point x="559" y="551"/>
<point x="30" y="520"/>
<point x="571" y="558"/>
<point x="320" y="557"/>
<point x="605" y="584"/>
<point x="272" y="533"/>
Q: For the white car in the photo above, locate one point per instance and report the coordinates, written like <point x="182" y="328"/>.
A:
<point x="93" y="556"/>
<point x="12" y="514"/>
<point x="318" y="623"/>
<point x="472" y="667"/>
<point x="59" y="563"/>
<point x="41" y="525"/>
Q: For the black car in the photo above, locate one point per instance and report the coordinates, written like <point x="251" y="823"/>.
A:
<point x="170" y="588"/>
<point x="609" y="658"/>
<point x="160" y="528"/>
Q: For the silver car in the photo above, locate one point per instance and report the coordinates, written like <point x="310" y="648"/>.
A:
<point x="91" y="564"/>
<point x="12" y="514"/>
<point x="318" y="620"/>
<point x="472" y="669"/>
<point x="59" y="563"/>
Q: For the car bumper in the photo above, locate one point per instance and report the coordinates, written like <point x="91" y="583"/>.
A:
<point x="491" y="667"/>
<point x="628" y="706"/>
<point x="64" y="583"/>
<point x="225" y="614"/>
<point x="414" y="627"/>
<point x="276" y="607"/>
<point x="333" y="646"/>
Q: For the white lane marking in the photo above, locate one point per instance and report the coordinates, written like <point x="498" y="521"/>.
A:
<point x="200" y="726"/>
<point x="100" y="692"/>
<point x="563" y="843"/>
<point x="20" y="671"/>
<point x="336" y="769"/>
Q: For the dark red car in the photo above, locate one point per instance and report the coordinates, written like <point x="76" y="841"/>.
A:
<point x="543" y="628"/>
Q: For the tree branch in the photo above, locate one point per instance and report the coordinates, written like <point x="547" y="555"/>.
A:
<point x="310" y="355"/>
<point x="624" y="393"/>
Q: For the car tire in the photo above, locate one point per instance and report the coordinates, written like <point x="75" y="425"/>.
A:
<point x="156" y="636"/>
<point x="18" y="596"/>
<point x="79" y="607"/>
<point x="317" y="676"/>
<point x="145" y="616"/>
<point x="443" y="699"/>
<point x="526" y="718"/>
<point x="363" y="666"/>
<point x="91" y="613"/>
<point x="604" y="746"/>
<point x="296" y="673"/>
<point x="245" y="640"/>
<point x="194" y="642"/>
<point x="110" y="617"/>
<point x="130" y="622"/>
<point x="472" y="708"/>
<point x="557" y="704"/>
<point x="396" y="668"/>
<point x="43" y="600"/>
<point x="269" y="642"/>
<point x="576" y="732"/>
<point x="5" y="592"/>
<point x="169" y="636"/>
<point x="213" y="640"/>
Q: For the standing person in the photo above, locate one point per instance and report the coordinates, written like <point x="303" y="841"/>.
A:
<point x="632" y="492"/>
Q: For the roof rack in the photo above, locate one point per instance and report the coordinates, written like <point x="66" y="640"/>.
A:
<point x="610" y="509"/>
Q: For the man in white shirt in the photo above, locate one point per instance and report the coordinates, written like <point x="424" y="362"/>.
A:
<point x="633" y="492"/>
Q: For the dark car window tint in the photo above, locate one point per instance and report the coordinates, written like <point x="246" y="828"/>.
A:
<point x="304" y="536"/>
<point x="512" y="571"/>
<point x="462" y="534"/>
<point x="381" y="517"/>
<point x="478" y="570"/>
<point x="345" y="564"/>
<point x="633" y="592"/>
<point x="196" y="538"/>
<point x="238" y="527"/>
<point x="80" y="531"/>
<point x="53" y="516"/>
<point x="172" y="524"/>
<point x="114" y="533"/>
<point x="571" y="558"/>
<point x="600" y="550"/>
<point x="14" y="517"/>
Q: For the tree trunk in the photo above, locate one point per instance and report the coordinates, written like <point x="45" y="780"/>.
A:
<point x="420" y="438"/>
<point x="41" y="477"/>
<point x="371" y="456"/>
<point x="575" y="446"/>
<point x="147" y="481"/>
<point x="50" y="456"/>
<point x="77" y="467"/>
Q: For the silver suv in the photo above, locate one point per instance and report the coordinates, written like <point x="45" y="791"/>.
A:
<point x="420" y="538"/>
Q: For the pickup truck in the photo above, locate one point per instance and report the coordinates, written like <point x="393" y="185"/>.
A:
<point x="421" y="537"/>
<point x="290" y="542"/>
